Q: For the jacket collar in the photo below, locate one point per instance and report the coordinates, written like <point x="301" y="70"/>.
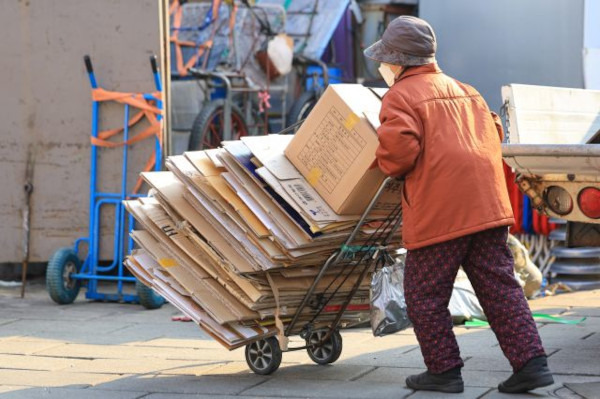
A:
<point x="421" y="69"/>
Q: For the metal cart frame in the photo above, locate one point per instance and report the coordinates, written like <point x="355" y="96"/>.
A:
<point x="324" y="345"/>
<point x="66" y="272"/>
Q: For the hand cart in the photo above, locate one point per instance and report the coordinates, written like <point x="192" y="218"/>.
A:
<point x="360" y="254"/>
<point x="215" y="44"/>
<point x="66" y="273"/>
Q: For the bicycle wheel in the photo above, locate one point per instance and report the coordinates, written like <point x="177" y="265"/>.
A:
<point x="207" y="129"/>
<point x="302" y="107"/>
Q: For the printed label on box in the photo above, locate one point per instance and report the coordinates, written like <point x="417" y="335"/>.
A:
<point x="332" y="149"/>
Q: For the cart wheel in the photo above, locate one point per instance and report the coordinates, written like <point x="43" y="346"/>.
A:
<point x="62" y="288"/>
<point x="148" y="298"/>
<point x="207" y="130"/>
<point x="329" y="351"/>
<point x="264" y="356"/>
<point x="302" y="107"/>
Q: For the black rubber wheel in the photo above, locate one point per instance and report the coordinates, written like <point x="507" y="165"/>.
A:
<point x="207" y="129"/>
<point x="148" y="298"/>
<point x="302" y="107"/>
<point x="329" y="351"/>
<point x="264" y="356"/>
<point x="59" y="284"/>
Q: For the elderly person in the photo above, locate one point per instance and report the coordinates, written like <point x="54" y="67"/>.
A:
<point x="439" y="134"/>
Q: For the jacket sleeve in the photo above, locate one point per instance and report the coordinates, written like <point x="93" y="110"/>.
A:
<point x="399" y="134"/>
<point x="498" y="123"/>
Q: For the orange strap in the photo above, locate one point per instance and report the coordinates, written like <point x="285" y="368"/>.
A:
<point x="176" y="10"/>
<point x="147" y="110"/>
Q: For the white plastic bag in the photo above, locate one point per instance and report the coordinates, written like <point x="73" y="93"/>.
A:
<point x="464" y="304"/>
<point x="277" y="58"/>
<point x="281" y="53"/>
<point x="388" y="306"/>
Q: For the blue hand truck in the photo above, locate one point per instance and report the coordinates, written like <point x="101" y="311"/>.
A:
<point x="66" y="273"/>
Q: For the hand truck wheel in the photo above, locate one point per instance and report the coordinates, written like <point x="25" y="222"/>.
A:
<point x="264" y="356"/>
<point x="329" y="351"/>
<point x="148" y="298"/>
<point x="62" y="288"/>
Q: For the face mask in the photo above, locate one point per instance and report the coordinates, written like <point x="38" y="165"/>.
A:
<point x="388" y="74"/>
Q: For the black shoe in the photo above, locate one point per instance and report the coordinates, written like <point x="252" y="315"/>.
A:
<point x="535" y="374"/>
<point x="448" y="382"/>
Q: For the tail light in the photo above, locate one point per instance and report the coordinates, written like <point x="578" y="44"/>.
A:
<point x="559" y="200"/>
<point x="589" y="202"/>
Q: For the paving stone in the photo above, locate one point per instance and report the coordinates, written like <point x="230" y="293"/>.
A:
<point x="390" y="375"/>
<point x="18" y="347"/>
<point x="575" y="362"/>
<point x="328" y="389"/>
<point x="578" y="311"/>
<point x="9" y="388"/>
<point x="132" y="366"/>
<point x="579" y="299"/>
<point x="476" y="379"/>
<point x="209" y="385"/>
<point x="488" y="363"/>
<point x="52" y="378"/>
<point x="208" y="368"/>
<point x="199" y="343"/>
<point x="286" y="371"/>
<point x="68" y="393"/>
<point x="195" y="396"/>
<point x="469" y="393"/>
<point x="172" y="359"/>
<point x="320" y="372"/>
<point x="474" y="342"/>
<point x="560" y="335"/>
<point x="484" y="379"/>
<point x="587" y="390"/>
<point x="127" y="352"/>
<point x="25" y="362"/>
<point x="556" y="391"/>
<point x="58" y="329"/>
<point x="375" y="344"/>
<point x="566" y="378"/>
<point x="147" y="331"/>
<point x="398" y="357"/>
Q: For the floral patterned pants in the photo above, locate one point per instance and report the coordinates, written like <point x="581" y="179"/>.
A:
<point x="488" y="262"/>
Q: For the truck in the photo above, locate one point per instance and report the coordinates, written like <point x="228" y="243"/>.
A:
<point x="553" y="144"/>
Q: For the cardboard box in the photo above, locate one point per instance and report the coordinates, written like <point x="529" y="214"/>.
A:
<point x="335" y="147"/>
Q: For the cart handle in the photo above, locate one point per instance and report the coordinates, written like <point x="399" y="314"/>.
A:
<point x="153" y="63"/>
<point x="90" y="70"/>
<point x="88" y="64"/>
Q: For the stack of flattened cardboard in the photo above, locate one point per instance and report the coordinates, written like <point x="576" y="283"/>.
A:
<point x="234" y="238"/>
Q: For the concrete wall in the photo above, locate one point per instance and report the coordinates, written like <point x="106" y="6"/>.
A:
<point x="492" y="43"/>
<point x="45" y="109"/>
